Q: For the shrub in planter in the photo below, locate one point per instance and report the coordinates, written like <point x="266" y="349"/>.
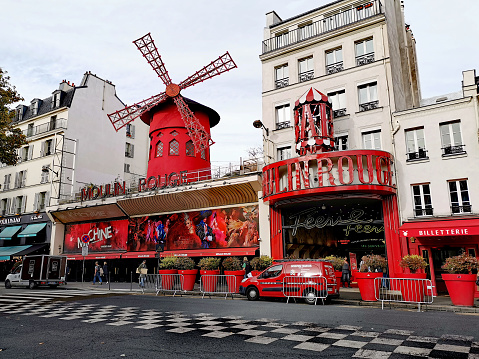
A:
<point x="373" y="263"/>
<point x="413" y="262"/>
<point x="371" y="268"/>
<point x="337" y="263"/>
<point x="209" y="269"/>
<point x="168" y="263"/>
<point x="413" y="290"/>
<point x="232" y="264"/>
<point x="186" y="267"/>
<point x="234" y="273"/>
<point x="261" y="263"/>
<point x="209" y="263"/>
<point x="167" y="268"/>
<point x="460" y="282"/>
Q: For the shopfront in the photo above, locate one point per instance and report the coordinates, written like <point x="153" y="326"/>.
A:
<point x="437" y="240"/>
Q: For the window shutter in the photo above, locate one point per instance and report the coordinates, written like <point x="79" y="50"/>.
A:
<point x="16" y="179"/>
<point x="30" y="152"/>
<point x="14" y="205"/>
<point x="24" y="179"/>
<point x="24" y="203"/>
<point x="35" y="202"/>
<point x="47" y="199"/>
<point x="8" y="207"/>
<point x="42" y="149"/>
<point x="132" y="130"/>
<point x="132" y="151"/>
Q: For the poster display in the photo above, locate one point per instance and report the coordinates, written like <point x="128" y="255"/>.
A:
<point x="215" y="228"/>
<point x="107" y="236"/>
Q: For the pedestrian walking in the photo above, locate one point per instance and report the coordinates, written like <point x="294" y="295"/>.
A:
<point x="142" y="270"/>
<point x="247" y="268"/>
<point x="346" y="275"/>
<point x="105" y="272"/>
<point x="97" y="274"/>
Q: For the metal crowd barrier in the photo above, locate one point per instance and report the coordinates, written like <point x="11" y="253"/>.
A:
<point x="405" y="290"/>
<point x="218" y="284"/>
<point x="305" y="287"/>
<point x="163" y="283"/>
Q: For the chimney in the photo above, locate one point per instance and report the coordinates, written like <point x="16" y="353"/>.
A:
<point x="65" y="86"/>
<point x="469" y="84"/>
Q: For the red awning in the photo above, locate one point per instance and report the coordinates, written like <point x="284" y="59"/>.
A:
<point x="76" y="257"/>
<point x="212" y="252"/>
<point x="146" y="254"/>
<point x="458" y="227"/>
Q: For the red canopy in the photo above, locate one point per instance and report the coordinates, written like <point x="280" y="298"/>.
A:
<point x="459" y="227"/>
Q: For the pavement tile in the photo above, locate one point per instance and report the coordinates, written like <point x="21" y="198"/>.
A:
<point x="181" y="330"/>
<point x="349" y="343"/>
<point x="442" y="354"/>
<point x="261" y="340"/>
<point x="317" y="347"/>
<point x="452" y="348"/>
<point x="252" y="332"/>
<point x="371" y="354"/>
<point x="332" y="335"/>
<point x="217" y="334"/>
<point x="148" y="326"/>
<point x="297" y="338"/>
<point x="412" y="351"/>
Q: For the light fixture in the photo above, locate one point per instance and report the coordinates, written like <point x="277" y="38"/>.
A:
<point x="45" y="169"/>
<point x="259" y="124"/>
<point x="323" y="207"/>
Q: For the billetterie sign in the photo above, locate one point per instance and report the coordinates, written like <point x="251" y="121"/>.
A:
<point x="151" y="183"/>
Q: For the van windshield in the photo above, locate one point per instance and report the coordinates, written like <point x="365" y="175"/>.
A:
<point x="273" y="271"/>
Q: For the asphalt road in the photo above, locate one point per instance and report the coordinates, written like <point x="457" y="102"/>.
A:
<point x="144" y="326"/>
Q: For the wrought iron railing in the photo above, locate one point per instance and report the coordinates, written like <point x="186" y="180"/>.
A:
<point x="365" y="59"/>
<point x="46" y="127"/>
<point x="281" y="125"/>
<point x="419" y="212"/>
<point x="339" y="113"/>
<point x="333" y="68"/>
<point x="305" y="76"/>
<point x="421" y="154"/>
<point x="367" y="106"/>
<point x="282" y="82"/>
<point x="453" y="150"/>
<point x="325" y="25"/>
<point x="465" y="208"/>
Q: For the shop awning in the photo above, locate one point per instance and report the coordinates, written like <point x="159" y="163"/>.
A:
<point x="459" y="227"/>
<point x="212" y="252"/>
<point x="110" y="255"/>
<point x="32" y="249"/>
<point x="32" y="230"/>
<point x="146" y="254"/>
<point x="9" y="232"/>
<point x="6" y="252"/>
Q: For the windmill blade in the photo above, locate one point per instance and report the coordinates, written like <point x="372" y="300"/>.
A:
<point x="221" y="64"/>
<point x="124" y="116"/>
<point x="147" y="47"/>
<point x="201" y="139"/>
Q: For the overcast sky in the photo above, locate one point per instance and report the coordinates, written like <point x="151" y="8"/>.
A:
<point x="43" y="42"/>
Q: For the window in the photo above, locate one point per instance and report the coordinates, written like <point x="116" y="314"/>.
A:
<point x="41" y="201"/>
<point x="34" y="107"/>
<point x="190" y="149"/>
<point x="159" y="149"/>
<point x="4" y="206"/>
<point x="47" y="148"/>
<point x="53" y="123"/>
<point x="372" y="140"/>
<point x="19" y="204"/>
<point x="203" y="154"/>
<point x="19" y="114"/>
<point x="56" y="99"/>
<point x="174" y="133"/>
<point x="281" y="39"/>
<point x="45" y="174"/>
<point x="126" y="167"/>
<point x="129" y="150"/>
<point x="422" y="200"/>
<point x="26" y="153"/>
<point x="305" y="31"/>
<point x="338" y="100"/>
<point x="273" y="271"/>
<point x="130" y="131"/>
<point x="334" y="61"/>
<point x="415" y="145"/>
<point x="364" y="52"/>
<point x="341" y="143"/>
<point x="283" y="116"/>
<point x="306" y="70"/>
<point x="368" y="96"/>
<point x="451" y="138"/>
<point x="459" y="195"/>
<point x="6" y="182"/>
<point x="284" y="153"/>
<point x="281" y="76"/>
<point x="30" y="130"/>
<point x="20" y="178"/>
<point x="174" y="148"/>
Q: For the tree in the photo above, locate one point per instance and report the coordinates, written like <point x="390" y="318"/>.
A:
<point x="11" y="138"/>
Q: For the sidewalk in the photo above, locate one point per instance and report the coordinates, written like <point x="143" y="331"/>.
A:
<point x="348" y="296"/>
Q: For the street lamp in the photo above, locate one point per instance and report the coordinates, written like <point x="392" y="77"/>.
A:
<point x="259" y="124"/>
<point x="45" y="169"/>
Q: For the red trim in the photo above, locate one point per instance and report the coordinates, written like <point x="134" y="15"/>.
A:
<point x="458" y="227"/>
<point x="213" y="252"/>
<point x="145" y="254"/>
<point x="76" y="257"/>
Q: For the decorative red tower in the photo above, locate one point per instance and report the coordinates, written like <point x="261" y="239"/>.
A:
<point x="313" y="123"/>
<point x="179" y="137"/>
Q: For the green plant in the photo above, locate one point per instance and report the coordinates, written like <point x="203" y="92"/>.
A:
<point x="461" y="264"/>
<point x="209" y="263"/>
<point x="373" y="263"/>
<point x="261" y="263"/>
<point x="168" y="263"/>
<point x="337" y="262"/>
<point x="413" y="262"/>
<point x="232" y="264"/>
<point x="184" y="263"/>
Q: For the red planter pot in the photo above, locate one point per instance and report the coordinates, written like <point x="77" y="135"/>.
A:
<point x="413" y="290"/>
<point x="167" y="281"/>
<point x="338" y="275"/>
<point x="366" y="285"/>
<point x="189" y="278"/>
<point x="209" y="283"/>
<point x="233" y="285"/>
<point x="461" y="288"/>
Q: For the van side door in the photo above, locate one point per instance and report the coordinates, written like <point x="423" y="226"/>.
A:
<point x="271" y="281"/>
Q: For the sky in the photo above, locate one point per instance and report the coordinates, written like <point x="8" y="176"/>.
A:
<point x="44" y="42"/>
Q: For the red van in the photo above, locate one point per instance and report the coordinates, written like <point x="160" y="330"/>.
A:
<point x="269" y="283"/>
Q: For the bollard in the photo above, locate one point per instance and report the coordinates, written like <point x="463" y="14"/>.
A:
<point x="131" y="281"/>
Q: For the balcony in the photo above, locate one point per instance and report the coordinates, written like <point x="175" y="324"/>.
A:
<point x="282" y="82"/>
<point x="453" y="150"/>
<point x="419" y="155"/>
<point x="334" y="68"/>
<point x="60" y="123"/>
<point x="421" y="212"/>
<point x="367" y="106"/>
<point x="281" y="125"/>
<point x="364" y="59"/>
<point x="456" y="209"/>
<point x="305" y="76"/>
<point x="339" y="113"/>
<point x="323" y="26"/>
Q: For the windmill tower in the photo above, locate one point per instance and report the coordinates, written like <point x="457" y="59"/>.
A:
<point x="179" y="128"/>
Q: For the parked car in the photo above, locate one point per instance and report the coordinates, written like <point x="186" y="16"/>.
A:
<point x="38" y="270"/>
<point x="270" y="282"/>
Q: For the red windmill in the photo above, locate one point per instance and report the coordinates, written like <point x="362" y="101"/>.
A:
<point x="168" y="114"/>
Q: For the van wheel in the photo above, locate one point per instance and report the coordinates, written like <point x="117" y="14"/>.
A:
<point x="310" y="296"/>
<point x="8" y="285"/>
<point x="252" y="293"/>
<point x="31" y="285"/>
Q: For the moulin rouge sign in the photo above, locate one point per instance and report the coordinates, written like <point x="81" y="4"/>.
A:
<point x="144" y="184"/>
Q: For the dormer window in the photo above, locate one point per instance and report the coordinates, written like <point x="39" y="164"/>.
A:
<point x="56" y="98"/>
<point x="35" y="105"/>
